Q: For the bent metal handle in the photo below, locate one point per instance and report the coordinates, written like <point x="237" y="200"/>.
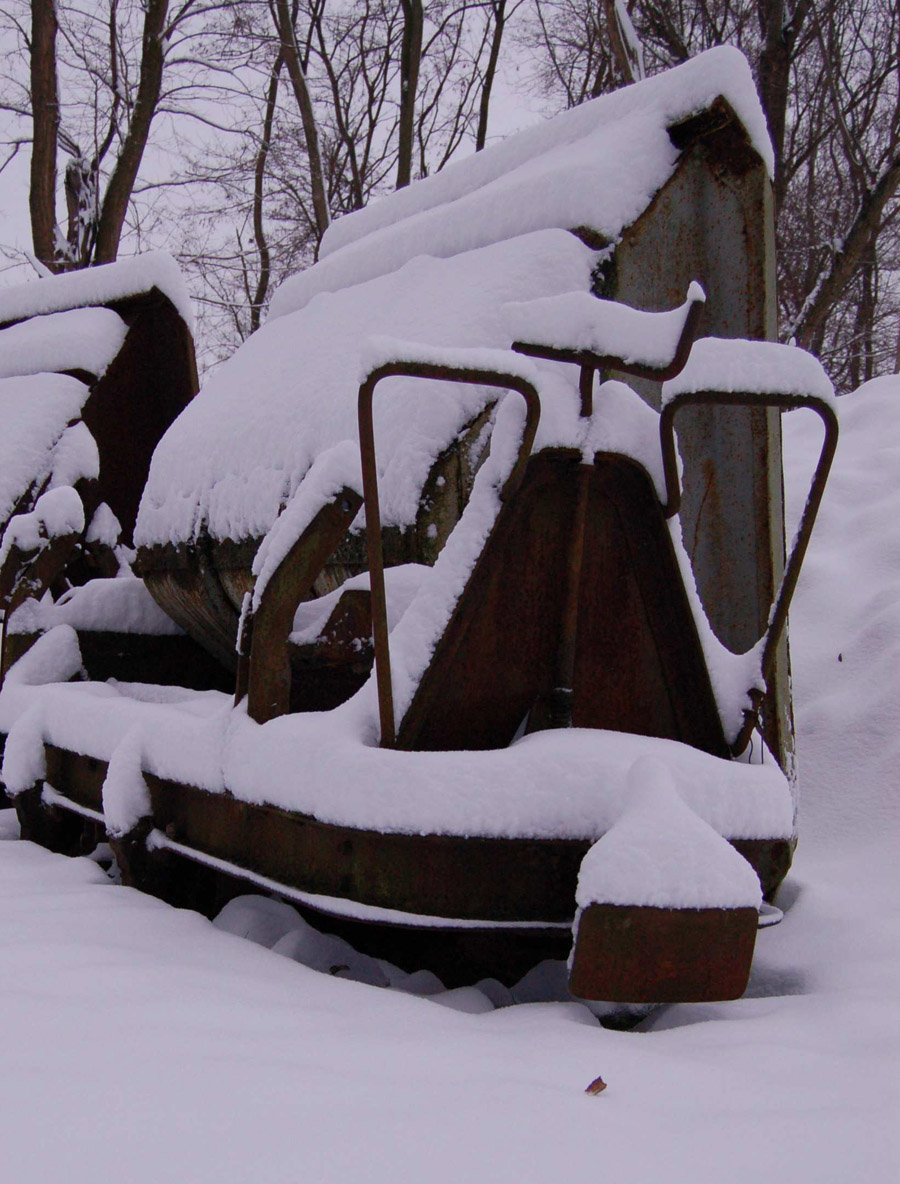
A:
<point x="779" y="612"/>
<point x="472" y="376"/>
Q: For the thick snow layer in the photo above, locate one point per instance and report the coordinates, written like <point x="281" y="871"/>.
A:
<point x="550" y="784"/>
<point x="578" y="320"/>
<point x="34" y="411"/>
<point x="56" y="513"/>
<point x="75" y="457"/>
<point x="660" y="853"/>
<point x="54" y="658"/>
<point x="796" y="1079"/>
<point x="336" y="469"/>
<point x="94" y="718"/>
<point x="81" y="339"/>
<point x="756" y="367"/>
<point x="595" y="166"/>
<point x="97" y="286"/>
<point x="105" y="527"/>
<point x="120" y="605"/>
<point x="239" y="451"/>
<point x="295" y="762"/>
<point x="400" y="584"/>
<point x="382" y="350"/>
<point x="126" y="799"/>
<point x="256" y="1066"/>
<point x="845" y="623"/>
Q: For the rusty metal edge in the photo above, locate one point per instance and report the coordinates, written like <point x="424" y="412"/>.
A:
<point x="779" y="612"/>
<point x="471" y="376"/>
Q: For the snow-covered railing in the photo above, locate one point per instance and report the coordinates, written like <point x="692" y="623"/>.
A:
<point x="761" y="374"/>
<point x="477" y="367"/>
<point x="595" y="334"/>
<point x="35" y="548"/>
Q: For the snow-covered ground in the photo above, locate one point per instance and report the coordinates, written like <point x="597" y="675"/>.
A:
<point x="141" y="1041"/>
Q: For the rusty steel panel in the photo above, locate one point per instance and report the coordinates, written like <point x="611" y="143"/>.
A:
<point x="776" y="618"/>
<point x="641" y="954"/>
<point x="713" y="222"/>
<point x="269" y="678"/>
<point x="148" y="384"/>
<point x="637" y="664"/>
<point x="440" y="875"/>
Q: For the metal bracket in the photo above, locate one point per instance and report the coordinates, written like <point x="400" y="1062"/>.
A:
<point x="779" y="612"/>
<point x="472" y="376"/>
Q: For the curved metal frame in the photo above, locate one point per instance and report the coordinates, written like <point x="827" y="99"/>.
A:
<point x="782" y="603"/>
<point x="472" y="376"/>
<point x="589" y="362"/>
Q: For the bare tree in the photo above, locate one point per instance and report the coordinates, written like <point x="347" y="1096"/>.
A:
<point x="827" y="72"/>
<point x="90" y="83"/>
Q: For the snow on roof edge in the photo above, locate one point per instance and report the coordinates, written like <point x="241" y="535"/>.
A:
<point x="99" y="286"/>
<point x="677" y="93"/>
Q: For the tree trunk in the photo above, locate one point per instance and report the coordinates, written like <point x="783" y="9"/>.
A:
<point x="776" y="56"/>
<point x="121" y="183"/>
<point x="410" y="61"/>
<point x="810" y="323"/>
<point x="291" y="54"/>
<point x="259" y="234"/>
<point x="45" y="122"/>
<point x="499" y="9"/>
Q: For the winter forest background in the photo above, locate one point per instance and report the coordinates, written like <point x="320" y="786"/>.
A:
<point x="230" y="132"/>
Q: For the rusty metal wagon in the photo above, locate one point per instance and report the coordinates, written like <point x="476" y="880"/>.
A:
<point x="443" y="682"/>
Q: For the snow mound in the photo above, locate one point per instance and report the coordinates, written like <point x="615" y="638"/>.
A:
<point x="81" y="339"/>
<point x="35" y="411"/>
<point x="598" y="166"/>
<point x="121" y="605"/>
<point x="845" y="622"/>
<point x="56" y="513"/>
<point x="660" y="853"/>
<point x="239" y="451"/>
<point x="734" y="366"/>
<point x="578" y="320"/>
<point x="97" y="286"/>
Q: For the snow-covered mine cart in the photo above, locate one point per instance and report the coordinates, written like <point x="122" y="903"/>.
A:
<point x="94" y="366"/>
<point x="505" y="658"/>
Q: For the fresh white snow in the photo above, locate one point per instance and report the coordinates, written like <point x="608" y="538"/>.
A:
<point x="215" y="1059"/>
<point x="754" y="367"/>
<point x="660" y="853"/>
<point x="35" y="411"/>
<point x="578" y="320"/>
<point x="56" y="513"/>
<point x="80" y="339"/>
<point x="121" y="605"/>
<point x="598" y="166"/>
<point x="98" y="286"/>
<point x="241" y="448"/>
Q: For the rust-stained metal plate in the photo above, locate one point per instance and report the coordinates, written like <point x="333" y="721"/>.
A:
<point x="638" y="667"/>
<point x="269" y="681"/>
<point x="640" y="954"/>
<point x="440" y="875"/>
<point x="168" y="660"/>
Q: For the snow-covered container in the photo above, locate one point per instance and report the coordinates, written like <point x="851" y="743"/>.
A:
<point x="94" y="366"/>
<point x="631" y="196"/>
<point x="428" y="459"/>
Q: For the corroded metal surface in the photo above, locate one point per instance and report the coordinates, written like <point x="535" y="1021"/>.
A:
<point x="269" y="677"/>
<point x="713" y="221"/>
<point x="441" y="875"/>
<point x="473" y="376"/>
<point x="639" y="954"/>
<point x="146" y="386"/>
<point x="638" y="663"/>
<point x="778" y="614"/>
